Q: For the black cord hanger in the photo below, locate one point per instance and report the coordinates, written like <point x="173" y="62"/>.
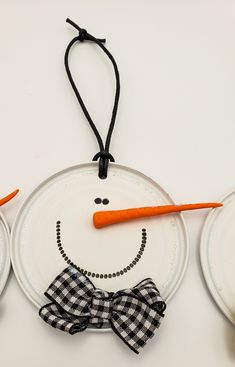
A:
<point x="103" y="155"/>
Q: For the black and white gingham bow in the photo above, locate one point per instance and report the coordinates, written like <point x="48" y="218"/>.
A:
<point x="76" y="305"/>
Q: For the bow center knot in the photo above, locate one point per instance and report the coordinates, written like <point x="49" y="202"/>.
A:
<point x="101" y="304"/>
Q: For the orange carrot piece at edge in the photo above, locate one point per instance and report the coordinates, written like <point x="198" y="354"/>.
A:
<point x="8" y="197"/>
<point x="105" y="218"/>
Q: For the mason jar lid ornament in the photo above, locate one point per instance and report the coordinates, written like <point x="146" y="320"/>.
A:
<point x="100" y="220"/>
<point x="217" y="253"/>
<point x="5" y="262"/>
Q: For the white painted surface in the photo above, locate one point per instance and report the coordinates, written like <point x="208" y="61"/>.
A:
<point x="176" y="124"/>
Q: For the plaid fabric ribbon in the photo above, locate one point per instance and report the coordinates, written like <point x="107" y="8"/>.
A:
<point x="75" y="305"/>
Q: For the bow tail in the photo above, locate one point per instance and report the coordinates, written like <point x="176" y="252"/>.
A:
<point x="56" y="317"/>
<point x="136" y="329"/>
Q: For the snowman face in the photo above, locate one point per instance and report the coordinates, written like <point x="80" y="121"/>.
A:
<point x="122" y="271"/>
<point x="71" y="197"/>
<point x="106" y="253"/>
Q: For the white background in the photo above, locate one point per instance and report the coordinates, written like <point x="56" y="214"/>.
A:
<point x="176" y="123"/>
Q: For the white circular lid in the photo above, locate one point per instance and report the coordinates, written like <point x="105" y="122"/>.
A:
<point x="217" y="253"/>
<point x="5" y="262"/>
<point x="69" y="197"/>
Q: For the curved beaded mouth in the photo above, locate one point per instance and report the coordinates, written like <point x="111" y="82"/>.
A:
<point x="89" y="273"/>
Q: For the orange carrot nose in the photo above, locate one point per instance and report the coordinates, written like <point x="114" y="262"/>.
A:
<point x="8" y="197"/>
<point x="106" y="218"/>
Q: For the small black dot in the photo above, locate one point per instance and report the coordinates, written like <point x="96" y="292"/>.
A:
<point x="97" y="275"/>
<point x="89" y="273"/>
<point x="63" y="254"/>
<point x="101" y="276"/>
<point x="117" y="273"/>
<point x="125" y="270"/>
<point x="132" y="264"/>
<point x="128" y="267"/>
<point x="93" y="275"/>
<point x="138" y="256"/>
<point x="121" y="272"/>
<point x="140" y="253"/>
<point x="136" y="259"/>
<point x="143" y="229"/>
<point x="114" y="275"/>
<point x="85" y="272"/>
<point x="105" y="276"/>
<point x="69" y="261"/>
<point x="144" y="241"/>
<point x="98" y="201"/>
<point x="58" y="222"/>
<point x="105" y="201"/>
<point x="66" y="258"/>
<point x="110" y="275"/>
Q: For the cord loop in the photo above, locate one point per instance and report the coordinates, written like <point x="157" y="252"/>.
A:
<point x="104" y="156"/>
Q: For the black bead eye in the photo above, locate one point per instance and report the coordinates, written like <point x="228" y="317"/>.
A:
<point x="98" y="201"/>
<point x="105" y="201"/>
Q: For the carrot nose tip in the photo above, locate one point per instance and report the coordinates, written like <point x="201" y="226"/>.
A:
<point x="8" y="197"/>
<point x="216" y="205"/>
<point x="13" y="194"/>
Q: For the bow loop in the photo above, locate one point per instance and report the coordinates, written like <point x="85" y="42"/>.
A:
<point x="72" y="291"/>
